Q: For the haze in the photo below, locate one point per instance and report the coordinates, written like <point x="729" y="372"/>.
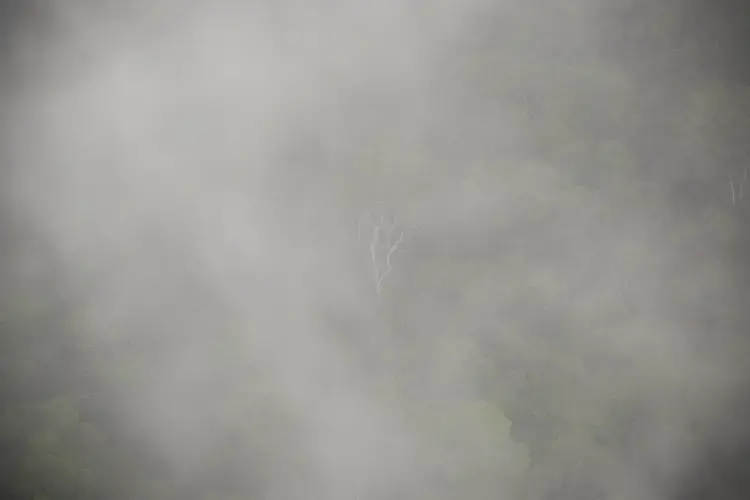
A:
<point x="362" y="250"/>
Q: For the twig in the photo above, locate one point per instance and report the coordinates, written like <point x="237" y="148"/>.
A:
<point x="382" y="234"/>
<point x="388" y="267"/>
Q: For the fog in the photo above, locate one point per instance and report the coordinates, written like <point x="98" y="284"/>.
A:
<point x="303" y="234"/>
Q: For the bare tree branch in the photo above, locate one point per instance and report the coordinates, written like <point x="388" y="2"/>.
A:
<point x="391" y="248"/>
<point x="382" y="261"/>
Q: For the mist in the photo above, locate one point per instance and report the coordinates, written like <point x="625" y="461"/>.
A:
<point x="357" y="251"/>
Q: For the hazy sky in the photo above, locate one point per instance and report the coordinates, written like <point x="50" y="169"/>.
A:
<point x="198" y="172"/>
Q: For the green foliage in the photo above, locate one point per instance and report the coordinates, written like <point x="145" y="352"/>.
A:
<point x="57" y="449"/>
<point x="474" y="442"/>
